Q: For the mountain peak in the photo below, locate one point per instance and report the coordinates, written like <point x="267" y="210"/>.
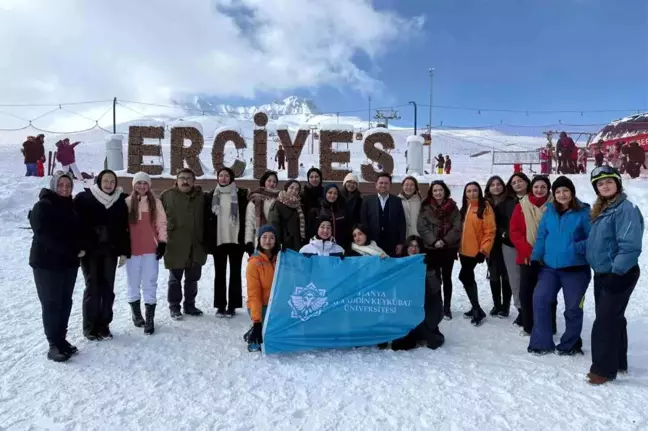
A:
<point x="292" y="105"/>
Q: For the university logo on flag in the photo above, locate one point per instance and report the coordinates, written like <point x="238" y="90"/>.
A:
<point x="325" y="302"/>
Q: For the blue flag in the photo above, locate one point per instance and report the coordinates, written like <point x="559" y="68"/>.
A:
<point x="325" y="302"/>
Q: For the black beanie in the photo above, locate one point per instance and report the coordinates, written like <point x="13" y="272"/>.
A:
<point x="543" y="178"/>
<point x="563" y="181"/>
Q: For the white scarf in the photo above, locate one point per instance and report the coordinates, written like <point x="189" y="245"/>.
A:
<point x="368" y="250"/>
<point x="104" y="198"/>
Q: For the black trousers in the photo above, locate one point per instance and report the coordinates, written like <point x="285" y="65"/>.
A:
<point x="233" y="300"/>
<point x="528" y="281"/>
<point x="442" y="264"/>
<point x="55" y="288"/>
<point x="174" y="293"/>
<point x="99" y="294"/>
<point x="609" y="333"/>
<point x="498" y="277"/>
<point x="282" y="164"/>
<point x="467" y="277"/>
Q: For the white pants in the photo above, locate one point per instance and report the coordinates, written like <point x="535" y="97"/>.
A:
<point x="142" y="271"/>
<point x="74" y="169"/>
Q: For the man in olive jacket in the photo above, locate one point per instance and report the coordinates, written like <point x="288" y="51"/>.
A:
<point x="185" y="254"/>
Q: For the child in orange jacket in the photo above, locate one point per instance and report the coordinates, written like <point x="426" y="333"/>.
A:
<point x="477" y="238"/>
<point x="259" y="275"/>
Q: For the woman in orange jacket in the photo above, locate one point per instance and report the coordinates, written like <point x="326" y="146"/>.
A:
<point x="259" y="275"/>
<point x="477" y="238"/>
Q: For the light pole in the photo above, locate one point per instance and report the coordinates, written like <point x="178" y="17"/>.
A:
<point x="415" y="115"/>
<point x="430" y="119"/>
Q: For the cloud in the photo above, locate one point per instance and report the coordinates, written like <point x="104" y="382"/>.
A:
<point x="71" y="50"/>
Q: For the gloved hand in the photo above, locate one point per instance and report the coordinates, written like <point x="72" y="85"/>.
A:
<point x="439" y="244"/>
<point x="249" y="248"/>
<point x="161" y="249"/>
<point x="255" y="336"/>
<point x="122" y="261"/>
<point x="481" y="257"/>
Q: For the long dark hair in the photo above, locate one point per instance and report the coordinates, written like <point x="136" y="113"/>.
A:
<point x="487" y="194"/>
<point x="446" y="190"/>
<point x="481" y="202"/>
<point x="364" y="230"/>
<point x="524" y="178"/>
<point x="411" y="238"/>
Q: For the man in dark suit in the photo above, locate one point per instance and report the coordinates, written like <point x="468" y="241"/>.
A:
<point x="383" y="216"/>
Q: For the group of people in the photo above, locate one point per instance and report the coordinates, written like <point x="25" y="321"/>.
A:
<point x="33" y="150"/>
<point x="443" y="164"/>
<point x="536" y="237"/>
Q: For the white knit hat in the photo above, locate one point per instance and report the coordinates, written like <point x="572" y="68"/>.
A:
<point x="141" y="176"/>
<point x="350" y="177"/>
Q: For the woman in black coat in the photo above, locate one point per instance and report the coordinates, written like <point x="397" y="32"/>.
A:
<point x="287" y="217"/>
<point x="332" y="207"/>
<point x="104" y="225"/>
<point x="54" y="258"/>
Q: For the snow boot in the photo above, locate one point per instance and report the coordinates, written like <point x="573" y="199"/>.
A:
<point x="496" y="292"/>
<point x="478" y="317"/>
<point x="149" y="326"/>
<point x="468" y="314"/>
<point x="538" y="352"/>
<point x="56" y="354"/>
<point x="518" y="319"/>
<point x="596" y="380"/>
<point x="192" y="310"/>
<point x="231" y="312"/>
<point x="136" y="313"/>
<point x="68" y="348"/>
<point x="105" y="334"/>
<point x="220" y="313"/>
<point x="175" y="313"/>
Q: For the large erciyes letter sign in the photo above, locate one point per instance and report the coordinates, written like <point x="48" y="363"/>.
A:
<point x="182" y="155"/>
<point x="326" y="302"/>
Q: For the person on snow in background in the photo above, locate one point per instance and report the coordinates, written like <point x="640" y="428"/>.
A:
<point x="544" y="160"/>
<point x="582" y="161"/>
<point x="519" y="185"/>
<point x="565" y="149"/>
<point x="517" y="168"/>
<point x="636" y="159"/>
<point x="323" y="243"/>
<point x="280" y="158"/>
<point x="313" y="192"/>
<point x="448" y="165"/>
<point x="439" y="224"/>
<point x="65" y="155"/>
<point x="33" y="152"/>
<point x="185" y="254"/>
<point x="598" y="154"/>
<point x="477" y="239"/>
<point x="613" y="250"/>
<point x="559" y="251"/>
<point x="411" y="198"/>
<point x="362" y="244"/>
<point x="225" y="240"/>
<point x="259" y="274"/>
<point x="333" y="208"/>
<point x="54" y="258"/>
<point x="352" y="198"/>
<point x="148" y="238"/>
<point x="440" y="163"/>
<point x="259" y="203"/>
<point x="427" y="332"/>
<point x="40" y="163"/>
<point x="502" y="255"/>
<point x="105" y="227"/>
<point x="523" y="231"/>
<point x="287" y="217"/>
<point x="384" y="216"/>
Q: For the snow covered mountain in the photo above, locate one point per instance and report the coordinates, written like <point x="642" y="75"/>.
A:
<point x="292" y="105"/>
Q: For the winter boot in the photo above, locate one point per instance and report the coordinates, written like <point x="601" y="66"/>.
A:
<point x="68" y="348"/>
<point x="596" y="380"/>
<point x="496" y="291"/>
<point x="220" y="313"/>
<point x="105" y="334"/>
<point x="447" y="315"/>
<point x="175" y="313"/>
<point x="192" y="310"/>
<point x="56" y="354"/>
<point x="149" y="326"/>
<point x="518" y="319"/>
<point x="136" y="313"/>
<point x="468" y="314"/>
<point x="231" y="312"/>
<point x="478" y="317"/>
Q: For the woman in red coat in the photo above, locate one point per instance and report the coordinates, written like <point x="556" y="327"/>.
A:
<point x="522" y="230"/>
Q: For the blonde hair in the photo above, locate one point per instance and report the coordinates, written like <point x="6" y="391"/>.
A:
<point x="601" y="205"/>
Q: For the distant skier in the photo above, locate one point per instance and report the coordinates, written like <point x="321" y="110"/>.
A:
<point x="448" y="164"/>
<point x="280" y="158"/>
<point x="440" y="163"/>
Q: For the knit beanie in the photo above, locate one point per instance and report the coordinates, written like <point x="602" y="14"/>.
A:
<point x="350" y="177"/>
<point x="266" y="228"/>
<point x="143" y="177"/>
<point x="563" y="181"/>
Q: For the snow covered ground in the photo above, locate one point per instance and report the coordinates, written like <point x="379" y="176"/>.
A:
<point x="197" y="374"/>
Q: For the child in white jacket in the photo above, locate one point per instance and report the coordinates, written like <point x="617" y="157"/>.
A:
<point x="148" y="235"/>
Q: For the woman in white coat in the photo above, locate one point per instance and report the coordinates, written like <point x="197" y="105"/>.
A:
<point x="259" y="203"/>
<point x="323" y="243"/>
<point x="411" y="199"/>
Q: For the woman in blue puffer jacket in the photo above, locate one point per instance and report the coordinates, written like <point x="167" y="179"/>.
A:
<point x="560" y="251"/>
<point x="613" y="250"/>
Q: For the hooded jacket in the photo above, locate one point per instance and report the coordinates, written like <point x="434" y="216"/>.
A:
<point x="259" y="274"/>
<point x="614" y="242"/>
<point x="319" y="247"/>
<point x="65" y="152"/>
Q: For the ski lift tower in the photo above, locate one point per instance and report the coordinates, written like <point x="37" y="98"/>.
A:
<point x="386" y="115"/>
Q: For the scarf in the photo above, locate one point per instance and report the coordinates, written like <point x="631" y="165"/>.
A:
<point x="442" y="214"/>
<point x="294" y="203"/>
<point x="104" y="198"/>
<point x="231" y="188"/>
<point x="258" y="196"/>
<point x="532" y="216"/>
<point x="368" y="250"/>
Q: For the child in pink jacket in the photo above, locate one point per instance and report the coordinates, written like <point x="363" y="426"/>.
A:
<point x="148" y="235"/>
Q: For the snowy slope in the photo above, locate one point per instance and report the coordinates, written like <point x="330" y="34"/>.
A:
<point x="197" y="375"/>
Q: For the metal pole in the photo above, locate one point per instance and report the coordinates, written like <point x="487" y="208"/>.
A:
<point x="115" y="115"/>
<point x="415" y="116"/>
<point x="369" y="114"/>
<point x="338" y="117"/>
<point x="430" y="119"/>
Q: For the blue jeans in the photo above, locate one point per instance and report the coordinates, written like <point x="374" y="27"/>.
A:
<point x="574" y="284"/>
<point x="32" y="171"/>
